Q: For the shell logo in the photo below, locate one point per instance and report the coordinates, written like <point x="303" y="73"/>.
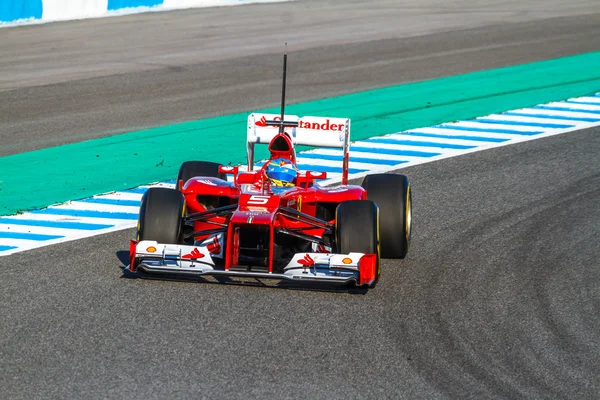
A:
<point x="347" y="260"/>
<point x="151" y="249"/>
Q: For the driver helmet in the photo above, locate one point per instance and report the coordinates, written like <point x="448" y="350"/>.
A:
<point x="281" y="172"/>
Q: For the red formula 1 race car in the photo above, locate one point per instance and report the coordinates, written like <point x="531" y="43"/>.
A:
<point x="275" y="221"/>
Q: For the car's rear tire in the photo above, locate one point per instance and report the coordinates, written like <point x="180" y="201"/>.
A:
<point x="160" y="217"/>
<point x="190" y="169"/>
<point x="392" y="194"/>
<point x="357" y="229"/>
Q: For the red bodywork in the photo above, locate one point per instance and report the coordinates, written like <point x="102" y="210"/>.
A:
<point x="306" y="209"/>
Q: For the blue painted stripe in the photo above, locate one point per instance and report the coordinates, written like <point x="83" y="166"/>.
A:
<point x="115" y="202"/>
<point x="396" y="152"/>
<point x="352" y="159"/>
<point x="28" y="236"/>
<point x="585" y="103"/>
<point x="472" y="138"/>
<point x="137" y="190"/>
<point x="324" y="168"/>
<point x="492" y="130"/>
<point x="519" y="123"/>
<point x="13" y="10"/>
<point x="54" y="224"/>
<point x="118" y="4"/>
<point x="87" y="213"/>
<point x="414" y="143"/>
<point x="517" y="114"/>
<point x="566" y="108"/>
<point x="5" y="248"/>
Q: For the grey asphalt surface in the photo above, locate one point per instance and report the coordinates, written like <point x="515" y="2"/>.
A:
<point x="498" y="298"/>
<point x="67" y="82"/>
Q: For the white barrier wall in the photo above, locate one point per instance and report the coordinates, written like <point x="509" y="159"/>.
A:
<point x="58" y="10"/>
<point x="55" y="10"/>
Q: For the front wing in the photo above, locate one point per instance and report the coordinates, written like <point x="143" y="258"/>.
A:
<point x="353" y="268"/>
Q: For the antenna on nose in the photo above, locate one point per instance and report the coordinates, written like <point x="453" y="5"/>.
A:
<point x="281" y="123"/>
<point x="281" y="127"/>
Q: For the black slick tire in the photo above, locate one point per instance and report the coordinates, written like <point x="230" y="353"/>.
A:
<point x="392" y="194"/>
<point x="160" y="217"/>
<point x="357" y="229"/>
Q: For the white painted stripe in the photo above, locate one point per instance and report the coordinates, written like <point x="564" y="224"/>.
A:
<point x="39" y="230"/>
<point x="533" y="119"/>
<point x="588" y="99"/>
<point x="400" y="136"/>
<point x="22" y="244"/>
<point x="80" y="205"/>
<point x="575" y="106"/>
<point x="359" y="154"/>
<point x="481" y="125"/>
<point x="66" y="218"/>
<point x="565" y="113"/>
<point x="159" y="184"/>
<point x="455" y="132"/>
<point x="327" y="152"/>
<point x="120" y="196"/>
<point x="374" y="145"/>
<point x="309" y="161"/>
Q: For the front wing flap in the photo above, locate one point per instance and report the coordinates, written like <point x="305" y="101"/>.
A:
<point x="150" y="256"/>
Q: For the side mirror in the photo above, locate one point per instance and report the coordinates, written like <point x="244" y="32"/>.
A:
<point x="306" y="178"/>
<point x="228" y="170"/>
<point x="316" y="175"/>
<point x="246" y="178"/>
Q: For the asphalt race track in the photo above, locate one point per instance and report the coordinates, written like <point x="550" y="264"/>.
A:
<point x="499" y="297"/>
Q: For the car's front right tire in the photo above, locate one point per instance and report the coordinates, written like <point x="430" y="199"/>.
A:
<point x="161" y="216"/>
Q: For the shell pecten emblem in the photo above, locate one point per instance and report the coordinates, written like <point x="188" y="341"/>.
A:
<point x="347" y="261"/>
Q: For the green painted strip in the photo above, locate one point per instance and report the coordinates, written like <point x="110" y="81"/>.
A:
<point x="36" y="179"/>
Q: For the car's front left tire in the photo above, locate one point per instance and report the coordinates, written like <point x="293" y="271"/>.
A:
<point x="393" y="195"/>
<point x="357" y="230"/>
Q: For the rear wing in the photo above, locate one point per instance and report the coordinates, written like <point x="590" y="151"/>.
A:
<point x="307" y="131"/>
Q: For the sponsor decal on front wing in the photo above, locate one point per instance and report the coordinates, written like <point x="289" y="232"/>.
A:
<point x="193" y="255"/>
<point x="214" y="244"/>
<point x="324" y="260"/>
